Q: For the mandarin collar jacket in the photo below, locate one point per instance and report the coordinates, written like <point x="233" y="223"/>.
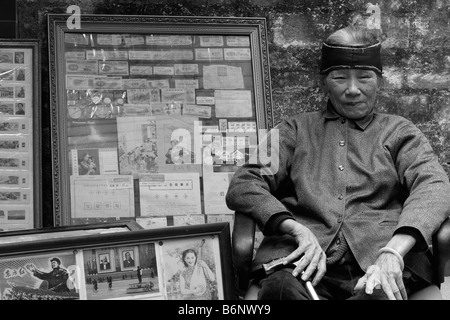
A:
<point x="366" y="179"/>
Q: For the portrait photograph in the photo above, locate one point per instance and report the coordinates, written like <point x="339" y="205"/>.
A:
<point x="128" y="259"/>
<point x="192" y="269"/>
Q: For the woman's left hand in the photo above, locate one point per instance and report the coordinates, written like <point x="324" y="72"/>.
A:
<point x="387" y="274"/>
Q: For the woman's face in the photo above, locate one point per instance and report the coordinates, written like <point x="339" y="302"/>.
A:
<point x="190" y="258"/>
<point x="352" y="91"/>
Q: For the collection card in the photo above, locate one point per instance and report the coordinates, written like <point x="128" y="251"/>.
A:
<point x="15" y="217"/>
<point x="152" y="222"/>
<point x="137" y="145"/>
<point x="81" y="66"/>
<point x="208" y="54"/>
<point x="14" y="196"/>
<point x="14" y="126"/>
<point x="94" y="161"/>
<point x="9" y="179"/>
<point x="14" y="161"/>
<point x="222" y="77"/>
<point x="211" y="41"/>
<point x="176" y="141"/>
<point x="237" y="54"/>
<point x="114" y="68"/>
<point x="238" y="41"/>
<point x="233" y="103"/>
<point x="102" y="196"/>
<point x="197" y="110"/>
<point x="189" y="220"/>
<point x="215" y="187"/>
<point x="170" y="194"/>
<point x="13" y="143"/>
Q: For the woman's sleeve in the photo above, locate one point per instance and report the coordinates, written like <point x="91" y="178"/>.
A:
<point x="254" y="185"/>
<point x="428" y="201"/>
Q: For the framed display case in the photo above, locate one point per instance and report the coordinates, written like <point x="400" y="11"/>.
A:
<point x="20" y="135"/>
<point x="176" y="263"/>
<point x="152" y="115"/>
<point x="49" y="233"/>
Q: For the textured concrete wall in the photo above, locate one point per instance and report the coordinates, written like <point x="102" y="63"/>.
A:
<point x="416" y="54"/>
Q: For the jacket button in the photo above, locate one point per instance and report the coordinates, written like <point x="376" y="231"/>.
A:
<point x="341" y="168"/>
<point x="342" y="143"/>
<point x="341" y="196"/>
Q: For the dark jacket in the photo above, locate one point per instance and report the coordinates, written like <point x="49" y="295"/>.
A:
<point x="368" y="178"/>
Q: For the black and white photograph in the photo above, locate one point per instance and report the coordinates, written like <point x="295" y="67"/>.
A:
<point x="122" y="273"/>
<point x="191" y="269"/>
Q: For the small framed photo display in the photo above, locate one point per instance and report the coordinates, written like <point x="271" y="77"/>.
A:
<point x="116" y="261"/>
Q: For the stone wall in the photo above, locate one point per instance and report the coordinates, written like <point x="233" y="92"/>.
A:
<point x="416" y="55"/>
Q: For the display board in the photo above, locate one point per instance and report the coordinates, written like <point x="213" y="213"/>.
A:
<point x="151" y="116"/>
<point x="20" y="135"/>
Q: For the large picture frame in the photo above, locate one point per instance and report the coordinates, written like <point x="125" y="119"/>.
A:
<point x="91" y="267"/>
<point x="20" y="135"/>
<point x="151" y="115"/>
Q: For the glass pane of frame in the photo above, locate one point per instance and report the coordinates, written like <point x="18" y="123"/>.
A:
<point x="20" y="135"/>
<point x="152" y="115"/>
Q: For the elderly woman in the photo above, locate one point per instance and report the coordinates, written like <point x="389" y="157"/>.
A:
<point x="356" y="194"/>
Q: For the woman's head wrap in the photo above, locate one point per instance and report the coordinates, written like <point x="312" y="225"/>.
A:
<point x="351" y="57"/>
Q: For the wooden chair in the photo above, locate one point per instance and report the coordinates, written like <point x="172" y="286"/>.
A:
<point x="243" y="239"/>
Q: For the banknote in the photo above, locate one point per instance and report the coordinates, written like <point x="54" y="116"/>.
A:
<point x="238" y="41"/>
<point x="196" y="110"/>
<point x="163" y="71"/>
<point x="133" y="40"/>
<point x="75" y="55"/>
<point x="159" y="84"/>
<point x="211" y="41"/>
<point x="237" y="54"/>
<point x="113" y="68"/>
<point x="141" y="70"/>
<point x="173" y="95"/>
<point x="135" y="110"/>
<point x="186" y="83"/>
<point x="109" y="39"/>
<point x="209" y="54"/>
<point x="161" y="55"/>
<point x="112" y="83"/>
<point x="79" y="82"/>
<point x="76" y="38"/>
<point x="82" y="66"/>
<point x="140" y="83"/>
<point x="168" y="40"/>
<point x="186" y="69"/>
<point x="107" y="55"/>
<point x="138" y="96"/>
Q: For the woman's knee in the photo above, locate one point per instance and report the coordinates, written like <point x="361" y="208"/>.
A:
<point x="282" y="285"/>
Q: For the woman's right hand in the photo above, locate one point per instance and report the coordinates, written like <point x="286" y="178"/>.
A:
<point x="313" y="258"/>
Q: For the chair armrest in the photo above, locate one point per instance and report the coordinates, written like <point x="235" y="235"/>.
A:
<point x="243" y="238"/>
<point x="441" y="251"/>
